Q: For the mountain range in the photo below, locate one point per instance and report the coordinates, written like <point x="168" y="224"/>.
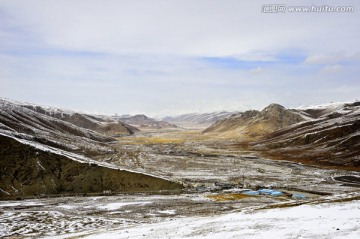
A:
<point x="142" y="121"/>
<point x="47" y="150"/>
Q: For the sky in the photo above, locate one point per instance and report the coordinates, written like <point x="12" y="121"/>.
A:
<point x="169" y="57"/>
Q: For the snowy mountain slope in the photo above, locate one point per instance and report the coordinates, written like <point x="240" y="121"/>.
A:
<point x="102" y="124"/>
<point x="316" y="111"/>
<point x="254" y="124"/>
<point x="332" y="138"/>
<point x="21" y="122"/>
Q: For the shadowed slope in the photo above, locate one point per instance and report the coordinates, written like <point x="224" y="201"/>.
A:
<point x="28" y="171"/>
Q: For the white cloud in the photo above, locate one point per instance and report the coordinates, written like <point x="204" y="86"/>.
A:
<point x="202" y="28"/>
<point x="256" y="57"/>
<point x="330" y="69"/>
<point x="331" y="58"/>
<point x="257" y="70"/>
<point x="322" y="59"/>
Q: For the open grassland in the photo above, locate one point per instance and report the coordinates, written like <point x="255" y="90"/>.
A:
<point x="167" y="137"/>
<point x="228" y="197"/>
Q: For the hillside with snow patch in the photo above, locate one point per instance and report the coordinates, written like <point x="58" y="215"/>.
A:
<point x="331" y="138"/>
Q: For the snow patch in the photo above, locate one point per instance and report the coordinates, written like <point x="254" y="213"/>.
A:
<point x="4" y="191"/>
<point x="340" y="220"/>
<point x="118" y="205"/>
<point x="68" y="207"/>
<point x="169" y="212"/>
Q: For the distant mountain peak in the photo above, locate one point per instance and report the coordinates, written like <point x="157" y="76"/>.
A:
<point x="141" y="116"/>
<point x="274" y="106"/>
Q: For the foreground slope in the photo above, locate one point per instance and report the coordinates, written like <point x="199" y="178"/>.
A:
<point x="27" y="170"/>
<point x="254" y="124"/>
<point x="323" y="221"/>
<point x="333" y="138"/>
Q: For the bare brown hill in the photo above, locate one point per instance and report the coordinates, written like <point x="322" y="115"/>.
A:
<point x="254" y="124"/>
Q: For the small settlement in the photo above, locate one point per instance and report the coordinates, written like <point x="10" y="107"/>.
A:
<point x="242" y="189"/>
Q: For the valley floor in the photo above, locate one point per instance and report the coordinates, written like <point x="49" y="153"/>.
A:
<point x="330" y="209"/>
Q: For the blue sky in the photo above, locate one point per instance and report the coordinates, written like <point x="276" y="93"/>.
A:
<point x="172" y="57"/>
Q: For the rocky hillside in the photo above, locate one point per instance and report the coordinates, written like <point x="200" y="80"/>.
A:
<point x="29" y="171"/>
<point x="197" y="119"/>
<point x="102" y="124"/>
<point x="25" y="123"/>
<point x="254" y="124"/>
<point x="332" y="138"/>
<point x="142" y="121"/>
<point x="56" y="128"/>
